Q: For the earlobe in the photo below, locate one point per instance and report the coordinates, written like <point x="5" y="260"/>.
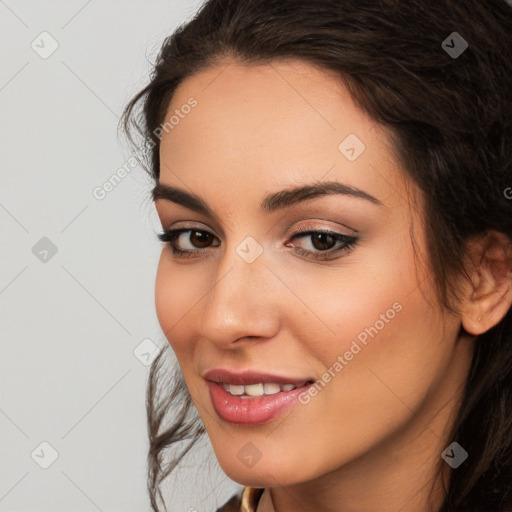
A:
<point x="488" y="296"/>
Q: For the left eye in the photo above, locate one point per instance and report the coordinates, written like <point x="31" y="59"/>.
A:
<point x="329" y="243"/>
<point x="320" y="240"/>
<point x="323" y="244"/>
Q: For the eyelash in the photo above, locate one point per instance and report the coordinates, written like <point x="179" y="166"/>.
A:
<point x="170" y="235"/>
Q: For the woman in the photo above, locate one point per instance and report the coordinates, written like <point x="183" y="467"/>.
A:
<point x="333" y="179"/>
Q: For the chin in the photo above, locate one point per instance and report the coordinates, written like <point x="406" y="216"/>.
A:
<point x="263" y="473"/>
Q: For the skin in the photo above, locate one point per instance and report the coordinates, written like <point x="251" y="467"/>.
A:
<point x="369" y="440"/>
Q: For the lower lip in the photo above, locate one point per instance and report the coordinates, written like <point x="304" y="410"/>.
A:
<point x="255" y="410"/>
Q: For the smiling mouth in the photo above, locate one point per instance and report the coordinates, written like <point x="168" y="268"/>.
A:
<point x="260" y="389"/>
<point x="252" y="397"/>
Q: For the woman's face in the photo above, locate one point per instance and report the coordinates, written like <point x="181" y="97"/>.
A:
<point x="266" y="290"/>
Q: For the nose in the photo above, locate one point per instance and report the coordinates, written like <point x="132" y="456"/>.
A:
<point x="243" y="303"/>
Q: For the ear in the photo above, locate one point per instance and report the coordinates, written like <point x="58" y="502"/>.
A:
<point x="488" y="296"/>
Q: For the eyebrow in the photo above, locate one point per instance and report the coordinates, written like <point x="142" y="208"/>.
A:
<point x="271" y="203"/>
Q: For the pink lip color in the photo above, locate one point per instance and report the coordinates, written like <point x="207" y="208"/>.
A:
<point x="251" y="411"/>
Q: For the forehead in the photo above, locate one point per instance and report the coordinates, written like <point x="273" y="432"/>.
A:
<point x="268" y="126"/>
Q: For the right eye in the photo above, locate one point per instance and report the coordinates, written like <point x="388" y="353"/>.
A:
<point x="196" y="238"/>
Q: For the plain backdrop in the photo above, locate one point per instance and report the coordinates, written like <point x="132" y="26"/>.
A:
<point x="77" y="272"/>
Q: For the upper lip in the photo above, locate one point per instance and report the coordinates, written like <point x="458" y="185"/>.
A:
<point x="250" y="377"/>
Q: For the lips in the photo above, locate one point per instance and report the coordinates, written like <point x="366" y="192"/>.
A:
<point x="251" y="398"/>
<point x="248" y="377"/>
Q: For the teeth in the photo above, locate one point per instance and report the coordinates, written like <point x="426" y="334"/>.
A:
<point x="254" y="389"/>
<point x="260" y="389"/>
<point x="235" y="390"/>
<point x="270" y="388"/>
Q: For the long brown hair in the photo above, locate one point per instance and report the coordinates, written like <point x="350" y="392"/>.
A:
<point x="450" y="117"/>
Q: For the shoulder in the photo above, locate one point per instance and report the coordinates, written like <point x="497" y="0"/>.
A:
<point x="245" y="500"/>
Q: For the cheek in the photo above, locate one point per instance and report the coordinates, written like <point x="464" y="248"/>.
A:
<point x="378" y="386"/>
<point x="363" y="301"/>
<point x="381" y="385"/>
<point x="376" y="330"/>
<point x="176" y="293"/>
<point x="388" y="347"/>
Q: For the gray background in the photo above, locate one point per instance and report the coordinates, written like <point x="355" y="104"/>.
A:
<point x="78" y="324"/>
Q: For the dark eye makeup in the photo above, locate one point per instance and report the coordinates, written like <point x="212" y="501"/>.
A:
<point x="326" y="244"/>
